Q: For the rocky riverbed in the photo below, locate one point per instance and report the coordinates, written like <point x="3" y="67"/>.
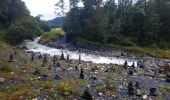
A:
<point x="144" y="61"/>
<point x="35" y="76"/>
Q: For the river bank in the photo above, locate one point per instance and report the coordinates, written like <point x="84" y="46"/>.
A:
<point x="28" y="79"/>
<point x="113" y="51"/>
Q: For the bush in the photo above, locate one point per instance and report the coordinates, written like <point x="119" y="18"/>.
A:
<point x="53" y="35"/>
<point x="23" y="28"/>
<point x="67" y="89"/>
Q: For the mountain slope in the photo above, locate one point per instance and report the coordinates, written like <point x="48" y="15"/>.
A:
<point x="57" y="22"/>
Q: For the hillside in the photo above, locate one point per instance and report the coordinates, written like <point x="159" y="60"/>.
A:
<point x="57" y="22"/>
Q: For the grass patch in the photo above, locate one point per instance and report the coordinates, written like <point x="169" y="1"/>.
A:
<point x="165" y="90"/>
<point x="2" y="96"/>
<point x="67" y="88"/>
<point x="101" y="89"/>
<point x="83" y="82"/>
<point x="143" y="51"/>
<point x="24" y="91"/>
<point x="53" y="35"/>
<point x="4" y="67"/>
<point x="7" y="76"/>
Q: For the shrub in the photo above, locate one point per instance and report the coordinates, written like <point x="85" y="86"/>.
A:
<point x="67" y="89"/>
<point x="4" y="67"/>
<point x="53" y="35"/>
<point x="23" y="28"/>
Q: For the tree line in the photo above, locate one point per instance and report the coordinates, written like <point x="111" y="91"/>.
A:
<point x="19" y="25"/>
<point x="123" y="22"/>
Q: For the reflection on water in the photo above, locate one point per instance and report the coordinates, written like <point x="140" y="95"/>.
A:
<point x="36" y="47"/>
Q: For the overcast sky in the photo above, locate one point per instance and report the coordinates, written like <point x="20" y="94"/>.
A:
<point x="44" y="7"/>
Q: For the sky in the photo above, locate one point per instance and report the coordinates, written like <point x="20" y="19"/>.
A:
<point x="44" y="7"/>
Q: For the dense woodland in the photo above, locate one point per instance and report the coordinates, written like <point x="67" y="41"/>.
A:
<point x="17" y="23"/>
<point x="143" y="23"/>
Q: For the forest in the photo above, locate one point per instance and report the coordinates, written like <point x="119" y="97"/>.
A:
<point x="144" y="23"/>
<point x="18" y="24"/>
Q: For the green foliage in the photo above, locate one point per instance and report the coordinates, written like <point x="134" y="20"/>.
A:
<point x="101" y="89"/>
<point x="53" y="35"/>
<point x="143" y="23"/>
<point x="5" y="67"/>
<point x="66" y="89"/>
<point x="17" y="23"/>
<point x="45" y="26"/>
<point x="23" y="28"/>
<point x="165" y="90"/>
<point x="11" y="10"/>
<point x="154" y="52"/>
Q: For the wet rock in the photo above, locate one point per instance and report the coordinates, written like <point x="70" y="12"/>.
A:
<point x="68" y="57"/>
<point x="79" y="58"/>
<point x="140" y="64"/>
<point x="57" y="77"/>
<point x="122" y="54"/>
<point x="82" y="74"/>
<point x="125" y="65"/>
<point x="87" y="95"/>
<point x="133" y="65"/>
<point x="153" y="91"/>
<point x="130" y="73"/>
<point x="39" y="56"/>
<point x="131" y="89"/>
<point x="25" y="48"/>
<point x="168" y="78"/>
<point x="62" y="56"/>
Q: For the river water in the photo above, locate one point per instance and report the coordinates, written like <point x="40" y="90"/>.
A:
<point x="34" y="46"/>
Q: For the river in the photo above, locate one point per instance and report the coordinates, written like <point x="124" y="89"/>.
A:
<point x="34" y="46"/>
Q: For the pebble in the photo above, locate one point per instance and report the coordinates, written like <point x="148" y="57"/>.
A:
<point x="100" y="94"/>
<point x="35" y="99"/>
<point x="145" y="97"/>
<point x="2" y="79"/>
